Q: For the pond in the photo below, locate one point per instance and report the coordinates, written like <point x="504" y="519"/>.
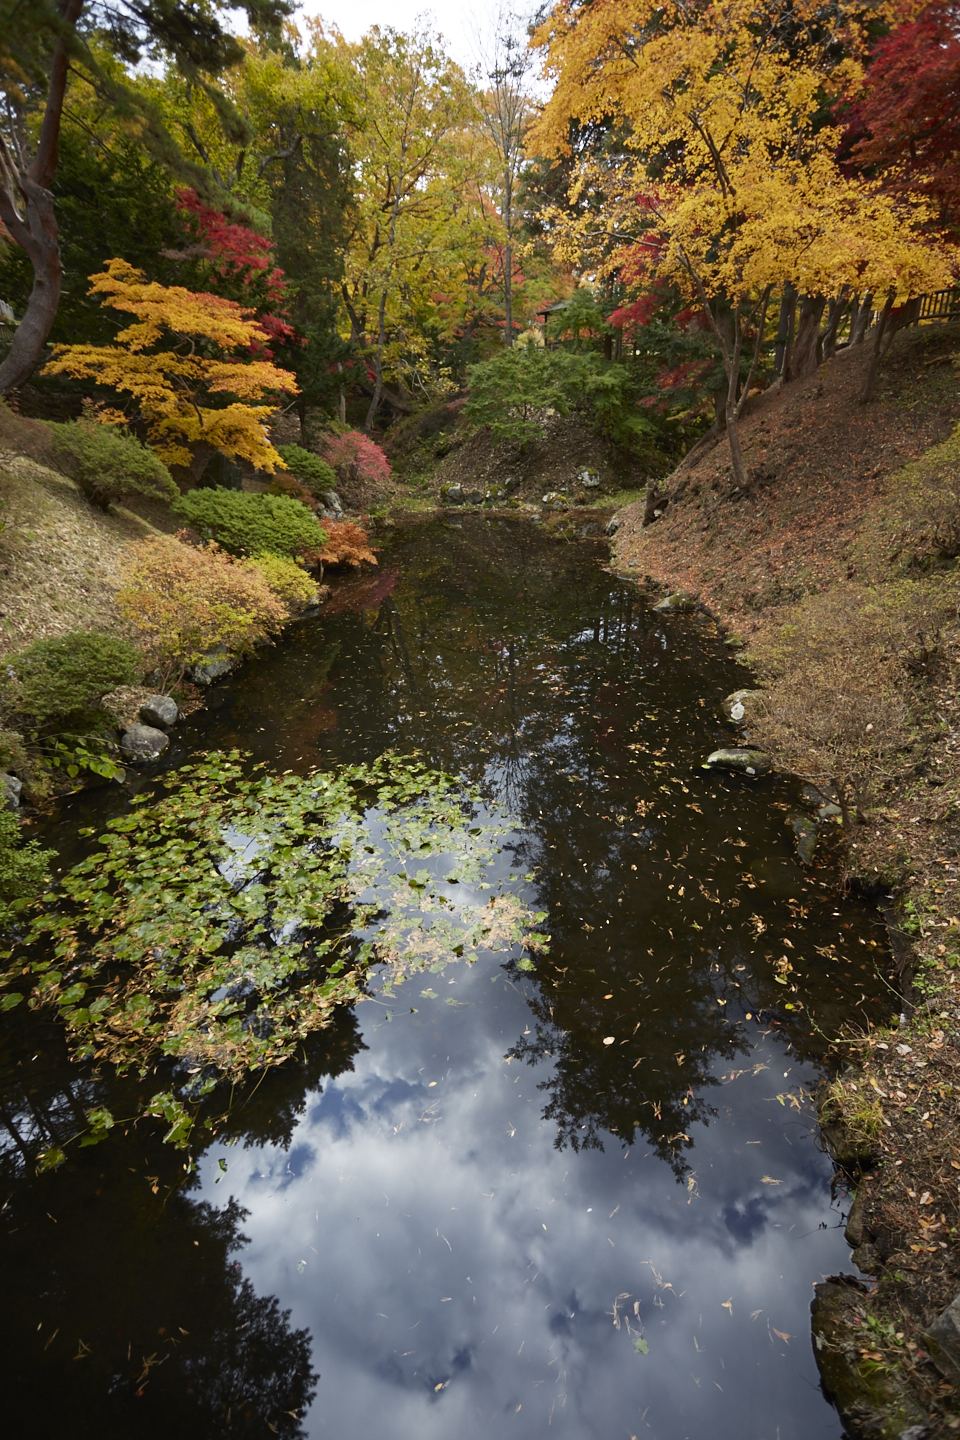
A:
<point x="583" y="1200"/>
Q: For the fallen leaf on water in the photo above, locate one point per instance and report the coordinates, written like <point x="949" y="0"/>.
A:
<point x="641" y="1346"/>
<point x="769" y="1180"/>
<point x="609" y="1039"/>
<point x="781" y="1334"/>
<point x="728" y="1305"/>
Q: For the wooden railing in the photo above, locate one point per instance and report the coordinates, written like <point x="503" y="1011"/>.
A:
<point x="942" y="305"/>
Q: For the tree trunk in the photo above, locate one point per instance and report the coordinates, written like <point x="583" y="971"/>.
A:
<point x="652" y="501"/>
<point x="858" y="331"/>
<point x="508" y="294"/>
<point x="876" y="355"/>
<point x="788" y="314"/>
<point x="806" y="347"/>
<point x="26" y="210"/>
<point x="836" y="310"/>
<point x="43" y="249"/>
<point x="886" y="329"/>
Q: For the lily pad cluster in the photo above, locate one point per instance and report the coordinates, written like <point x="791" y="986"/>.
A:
<point x="214" y="926"/>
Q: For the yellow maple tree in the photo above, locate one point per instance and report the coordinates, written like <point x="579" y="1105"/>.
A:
<point x="189" y="363"/>
<point x="719" y="173"/>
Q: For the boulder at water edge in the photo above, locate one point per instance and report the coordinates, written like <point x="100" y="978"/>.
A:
<point x="744" y="762"/>
<point x="677" y="601"/>
<point x="142" y="743"/>
<point x="160" y="711"/>
<point x="555" y="500"/>
<point x="214" y="666"/>
<point x="451" y="495"/>
<point x="806" y="833"/>
<point x="10" y="788"/>
<point x="612" y="526"/>
<point x="734" y="707"/>
<point x="943" y="1341"/>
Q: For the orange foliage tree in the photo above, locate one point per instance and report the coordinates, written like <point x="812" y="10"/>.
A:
<point x="346" y="544"/>
<point x="187" y="363"/>
<point x="184" y="602"/>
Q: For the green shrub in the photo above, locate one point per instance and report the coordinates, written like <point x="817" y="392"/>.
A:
<point x="109" y="464"/>
<point x="57" y="678"/>
<point x="24" y="871"/>
<point x="247" y="524"/>
<point x="512" y="392"/>
<point x="308" y="468"/>
<point x="285" y="577"/>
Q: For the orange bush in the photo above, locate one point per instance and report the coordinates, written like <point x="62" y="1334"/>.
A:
<point x="347" y="544"/>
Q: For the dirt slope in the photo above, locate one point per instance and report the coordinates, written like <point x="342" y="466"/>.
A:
<point x="817" y="462"/>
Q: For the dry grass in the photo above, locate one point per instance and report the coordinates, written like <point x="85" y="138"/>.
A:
<point x="59" y="558"/>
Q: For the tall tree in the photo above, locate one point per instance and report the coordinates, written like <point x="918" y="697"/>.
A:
<point x="905" y="124"/>
<point x="412" y="105"/>
<point x="186" y="363"/>
<point x="41" y="44"/>
<point x="504" y="109"/>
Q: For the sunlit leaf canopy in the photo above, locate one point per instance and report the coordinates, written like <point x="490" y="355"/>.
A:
<point x="720" y="171"/>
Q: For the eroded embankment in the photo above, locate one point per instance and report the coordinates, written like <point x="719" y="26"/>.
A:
<point x="836" y="574"/>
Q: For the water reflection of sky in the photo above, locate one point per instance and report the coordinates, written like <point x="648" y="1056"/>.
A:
<point x="458" y="1272"/>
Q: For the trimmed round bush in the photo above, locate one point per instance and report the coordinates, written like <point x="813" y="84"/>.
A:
<point x="246" y="524"/>
<point x="55" y="678"/>
<point x="308" y="468"/>
<point x="109" y="464"/>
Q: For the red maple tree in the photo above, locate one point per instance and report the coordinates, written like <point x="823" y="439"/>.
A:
<point x="906" y="124"/>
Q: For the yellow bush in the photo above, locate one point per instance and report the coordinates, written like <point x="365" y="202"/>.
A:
<point x="285" y="578"/>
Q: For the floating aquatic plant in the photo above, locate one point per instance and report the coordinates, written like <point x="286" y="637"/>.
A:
<point x="216" y="925"/>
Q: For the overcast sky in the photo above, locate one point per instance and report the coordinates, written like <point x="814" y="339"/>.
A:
<point x="457" y="22"/>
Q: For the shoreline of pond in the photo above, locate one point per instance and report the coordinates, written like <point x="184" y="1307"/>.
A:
<point x="856" y="1300"/>
<point x="892" y="1117"/>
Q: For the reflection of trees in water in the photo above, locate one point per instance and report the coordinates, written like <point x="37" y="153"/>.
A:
<point x="111" y="1260"/>
<point x="651" y="1081"/>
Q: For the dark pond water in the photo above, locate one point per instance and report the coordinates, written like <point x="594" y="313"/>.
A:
<point x="462" y="1212"/>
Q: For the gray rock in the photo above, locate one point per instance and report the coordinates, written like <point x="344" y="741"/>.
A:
<point x="589" y="479"/>
<point x="734" y="706"/>
<point x="807" y="835"/>
<point x="143" y="742"/>
<point x="160" y="711"/>
<point x="829" y="812"/>
<point x="451" y="495"/>
<point x="744" y="762"/>
<point x="474" y="497"/>
<point x="555" y="500"/>
<point x="331" y="501"/>
<point x="853" y="1232"/>
<point x="866" y="1257"/>
<point x="510" y="484"/>
<point x="677" y="601"/>
<point x="495" y="493"/>
<point x="215" y="666"/>
<point x="943" y="1341"/>
<point x="10" y="788"/>
<point x="612" y="526"/>
<point x="915" y="1432"/>
<point x="590" y="529"/>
